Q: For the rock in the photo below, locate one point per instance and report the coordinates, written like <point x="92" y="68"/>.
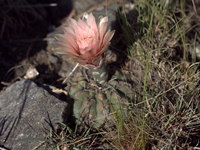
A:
<point x="25" y="110"/>
<point x="82" y="6"/>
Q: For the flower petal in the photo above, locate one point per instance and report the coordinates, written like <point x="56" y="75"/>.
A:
<point x="63" y="52"/>
<point x="93" y="43"/>
<point x="61" y="37"/>
<point x="102" y="26"/>
<point x="68" y="29"/>
<point x="108" y="36"/>
<point x="72" y="23"/>
<point x="92" y="48"/>
<point x="97" y="61"/>
<point x="83" y="45"/>
<point x="66" y="48"/>
<point x="83" y="25"/>
<point x="102" y="50"/>
<point x="85" y="17"/>
<point x="71" y="38"/>
<point x="99" y="20"/>
<point x="69" y="41"/>
<point x="86" y="56"/>
<point x="92" y="23"/>
<point x="79" y="33"/>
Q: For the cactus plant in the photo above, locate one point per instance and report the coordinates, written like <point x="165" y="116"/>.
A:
<point x="86" y="41"/>
<point x="94" y="104"/>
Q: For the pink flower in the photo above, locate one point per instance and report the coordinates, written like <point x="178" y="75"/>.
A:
<point x="85" y="40"/>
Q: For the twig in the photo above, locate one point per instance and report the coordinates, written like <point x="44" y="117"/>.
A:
<point x="75" y="142"/>
<point x="194" y="6"/>
<point x="36" y="147"/>
<point x="92" y="143"/>
<point x="71" y="73"/>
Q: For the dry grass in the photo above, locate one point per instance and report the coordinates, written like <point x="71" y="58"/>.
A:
<point x="164" y="113"/>
<point x="164" y="72"/>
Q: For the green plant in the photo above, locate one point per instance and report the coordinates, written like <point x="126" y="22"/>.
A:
<point x="94" y="103"/>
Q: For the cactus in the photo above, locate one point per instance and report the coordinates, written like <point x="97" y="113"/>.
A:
<point x="86" y="41"/>
<point x="94" y="100"/>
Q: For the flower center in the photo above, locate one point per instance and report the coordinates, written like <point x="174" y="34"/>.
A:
<point x="85" y="43"/>
<point x="88" y="39"/>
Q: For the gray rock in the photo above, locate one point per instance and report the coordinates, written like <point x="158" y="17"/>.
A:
<point x="82" y="6"/>
<point x="25" y="109"/>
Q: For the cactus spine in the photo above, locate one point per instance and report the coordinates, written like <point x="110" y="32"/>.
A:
<point x="100" y="74"/>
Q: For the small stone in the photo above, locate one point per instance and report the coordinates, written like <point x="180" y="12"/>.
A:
<point x="31" y="73"/>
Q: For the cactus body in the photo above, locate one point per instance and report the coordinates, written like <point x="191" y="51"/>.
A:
<point x="93" y="105"/>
